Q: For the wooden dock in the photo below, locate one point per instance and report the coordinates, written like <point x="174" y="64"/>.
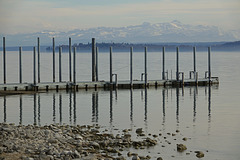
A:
<point x="45" y="86"/>
<point x="72" y="83"/>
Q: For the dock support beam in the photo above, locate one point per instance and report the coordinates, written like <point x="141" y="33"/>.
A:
<point x="93" y="60"/>
<point x="177" y="64"/>
<point x="74" y="65"/>
<point x="145" y="64"/>
<point x="53" y="60"/>
<point x="209" y="63"/>
<point x="194" y="62"/>
<point x="131" y="66"/>
<point x="20" y="64"/>
<point x="110" y="59"/>
<point x="34" y="65"/>
<point x="60" y="64"/>
<point x="70" y="59"/>
<point x="38" y="42"/>
<point x="163" y="63"/>
<point x="4" y="60"/>
<point x="96" y="63"/>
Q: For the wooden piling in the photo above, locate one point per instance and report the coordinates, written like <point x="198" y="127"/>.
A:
<point x="70" y="59"/>
<point x="131" y="66"/>
<point x="110" y="59"/>
<point x="34" y="65"/>
<point x="53" y="60"/>
<point x="60" y="64"/>
<point x="209" y="63"/>
<point x="145" y="65"/>
<point x="4" y="61"/>
<point x="38" y="42"/>
<point x="74" y="65"/>
<point x="163" y="63"/>
<point x="20" y="64"/>
<point x="177" y="64"/>
<point x="96" y="63"/>
<point x="93" y="60"/>
<point x="194" y="62"/>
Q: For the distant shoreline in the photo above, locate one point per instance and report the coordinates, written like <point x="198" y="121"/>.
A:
<point x="139" y="47"/>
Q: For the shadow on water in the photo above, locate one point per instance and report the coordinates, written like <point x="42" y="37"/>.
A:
<point x="59" y="102"/>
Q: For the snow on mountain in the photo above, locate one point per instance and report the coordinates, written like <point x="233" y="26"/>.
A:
<point x="174" y="31"/>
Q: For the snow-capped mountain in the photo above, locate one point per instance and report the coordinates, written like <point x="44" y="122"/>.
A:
<point x="174" y="31"/>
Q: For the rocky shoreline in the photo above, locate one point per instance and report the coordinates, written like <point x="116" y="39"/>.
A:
<point x="87" y="142"/>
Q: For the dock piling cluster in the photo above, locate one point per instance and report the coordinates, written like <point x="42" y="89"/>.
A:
<point x="95" y="83"/>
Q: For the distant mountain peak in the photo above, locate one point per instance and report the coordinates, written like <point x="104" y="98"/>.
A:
<point x="174" y="31"/>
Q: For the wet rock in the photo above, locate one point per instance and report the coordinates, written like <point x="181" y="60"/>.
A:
<point x="199" y="154"/>
<point x="135" y="158"/>
<point x="129" y="154"/>
<point x="181" y="147"/>
<point x="139" y="131"/>
<point x="185" y="139"/>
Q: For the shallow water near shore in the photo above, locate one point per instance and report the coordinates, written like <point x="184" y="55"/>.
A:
<point x="208" y="116"/>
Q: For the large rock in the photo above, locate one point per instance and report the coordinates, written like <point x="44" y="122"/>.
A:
<point x="181" y="147"/>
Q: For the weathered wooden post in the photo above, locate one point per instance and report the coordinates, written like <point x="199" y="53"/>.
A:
<point x="96" y="63"/>
<point x="194" y="62"/>
<point x="209" y="64"/>
<point x="177" y="64"/>
<point x="38" y="42"/>
<point x="163" y="63"/>
<point x="131" y="66"/>
<point x="60" y="64"/>
<point x="145" y="66"/>
<point x="74" y="65"/>
<point x="34" y="65"/>
<point x="20" y="64"/>
<point x="53" y="59"/>
<point x="110" y="58"/>
<point x="93" y="60"/>
<point x="70" y="60"/>
<point x="4" y="61"/>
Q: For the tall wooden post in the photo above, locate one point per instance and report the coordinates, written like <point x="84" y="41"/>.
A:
<point x="93" y="60"/>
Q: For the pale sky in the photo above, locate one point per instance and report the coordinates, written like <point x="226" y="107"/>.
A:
<point x="26" y="16"/>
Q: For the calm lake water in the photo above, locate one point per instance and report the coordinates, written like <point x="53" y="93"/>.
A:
<point x="208" y="116"/>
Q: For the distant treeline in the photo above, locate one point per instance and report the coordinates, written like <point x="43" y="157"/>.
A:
<point x="152" y="47"/>
<point x="124" y="47"/>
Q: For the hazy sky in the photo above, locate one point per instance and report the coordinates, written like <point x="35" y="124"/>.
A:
<point x="24" y="16"/>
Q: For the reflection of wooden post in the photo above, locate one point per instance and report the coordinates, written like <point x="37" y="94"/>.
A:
<point x="4" y="61"/>
<point x="93" y="60"/>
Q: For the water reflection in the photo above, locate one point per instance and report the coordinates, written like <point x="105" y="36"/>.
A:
<point x="5" y="108"/>
<point x="70" y="104"/>
<point x="94" y="106"/>
<point x="131" y="104"/>
<point x="20" y="109"/>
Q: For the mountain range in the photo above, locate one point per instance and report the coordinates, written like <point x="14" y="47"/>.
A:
<point x="174" y="31"/>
